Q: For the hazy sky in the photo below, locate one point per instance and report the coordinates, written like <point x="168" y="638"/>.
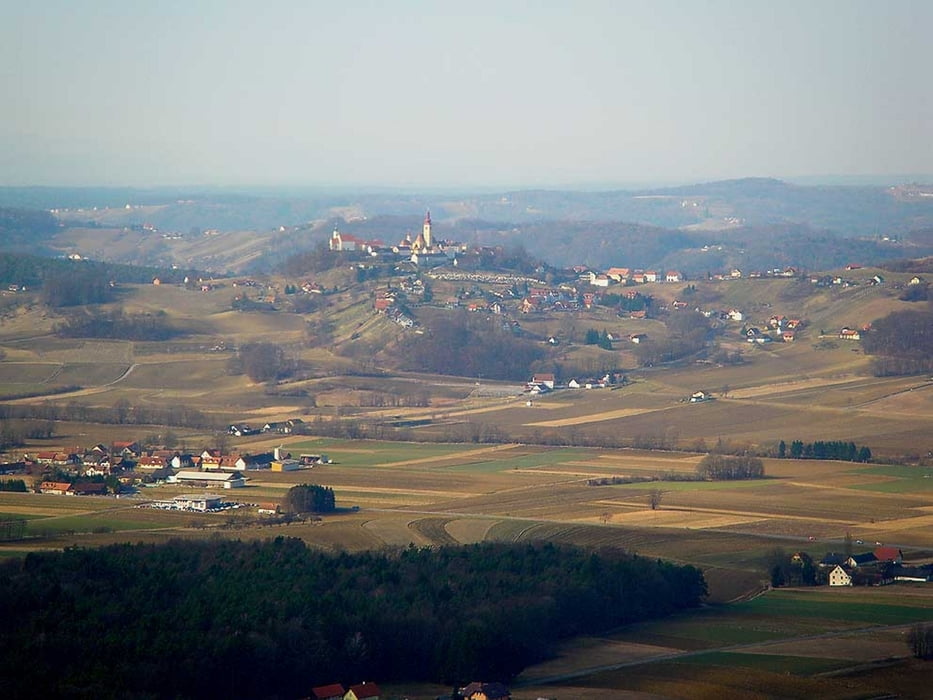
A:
<point x="461" y="93"/>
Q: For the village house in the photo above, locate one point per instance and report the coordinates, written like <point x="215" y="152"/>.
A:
<point x="58" y="488"/>
<point x="151" y="462"/>
<point x="889" y="554"/>
<point x="334" y="691"/>
<point x="544" y="378"/>
<point x="88" y="488"/>
<point x="857" y="560"/>
<point x="619" y="274"/>
<point x="673" y="276"/>
<point x="839" y="577"/>
<point x="849" y="334"/>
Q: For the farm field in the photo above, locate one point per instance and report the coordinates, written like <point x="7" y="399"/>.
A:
<point x="394" y="494"/>
<point x="424" y="494"/>
<point x="787" y="643"/>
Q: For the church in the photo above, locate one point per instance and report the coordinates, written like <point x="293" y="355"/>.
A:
<point x="424" y="251"/>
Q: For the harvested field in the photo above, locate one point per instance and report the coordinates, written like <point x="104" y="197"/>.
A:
<point x="396" y="532"/>
<point x="470" y="530"/>
<point x="591" y="418"/>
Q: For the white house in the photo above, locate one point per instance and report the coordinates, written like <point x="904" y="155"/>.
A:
<point x="839" y="577"/>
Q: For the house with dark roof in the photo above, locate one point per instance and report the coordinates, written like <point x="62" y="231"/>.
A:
<point x="857" y="560"/>
<point x="334" y="691"/>
<point x="832" y="560"/>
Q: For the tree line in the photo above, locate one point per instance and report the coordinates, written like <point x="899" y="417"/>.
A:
<point x="122" y="412"/>
<point x="825" y="449"/>
<point x="118" y="325"/>
<point x="273" y="618"/>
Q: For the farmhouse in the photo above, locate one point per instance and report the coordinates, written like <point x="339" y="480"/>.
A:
<point x="59" y="488"/>
<point x="889" y="554"/>
<point x="221" y="479"/>
<point x="857" y="560"/>
<point x="363" y="691"/>
<point x="849" y="334"/>
<point x="150" y="462"/>
<point x="88" y="488"/>
<point x="544" y="378"/>
<point x="334" y="691"/>
<point x="698" y="396"/>
<point x="839" y="577"/>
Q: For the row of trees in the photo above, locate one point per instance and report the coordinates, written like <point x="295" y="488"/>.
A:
<point x="122" y="412"/>
<point x="718" y="467"/>
<point x="14" y="485"/>
<point x="14" y="433"/>
<point x="275" y="617"/>
<point x="825" y="449"/>
<point x="118" y="325"/>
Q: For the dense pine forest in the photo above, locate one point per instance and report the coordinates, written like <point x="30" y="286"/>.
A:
<point x="271" y="619"/>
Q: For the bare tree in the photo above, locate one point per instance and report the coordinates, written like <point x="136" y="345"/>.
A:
<point x="654" y="498"/>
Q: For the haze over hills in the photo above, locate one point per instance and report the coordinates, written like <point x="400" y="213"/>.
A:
<point x="757" y="222"/>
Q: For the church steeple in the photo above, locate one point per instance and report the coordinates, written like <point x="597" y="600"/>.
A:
<point x="426" y="231"/>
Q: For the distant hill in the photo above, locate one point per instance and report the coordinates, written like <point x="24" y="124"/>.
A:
<point x="748" y="223"/>
<point x="26" y="230"/>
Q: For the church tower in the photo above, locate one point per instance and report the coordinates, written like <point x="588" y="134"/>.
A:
<point x="426" y="231"/>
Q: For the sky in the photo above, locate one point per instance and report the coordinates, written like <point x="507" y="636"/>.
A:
<point x="462" y="94"/>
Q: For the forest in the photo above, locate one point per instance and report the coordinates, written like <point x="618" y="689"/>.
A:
<point x="469" y="346"/>
<point x="223" y="618"/>
<point x="901" y="343"/>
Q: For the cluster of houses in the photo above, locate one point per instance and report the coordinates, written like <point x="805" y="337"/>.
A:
<point x="625" y="275"/>
<point x="285" y="427"/>
<point x="777" y="327"/>
<point x="545" y="382"/>
<point x="880" y="567"/>
<point x="130" y="465"/>
<point x="387" y="303"/>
